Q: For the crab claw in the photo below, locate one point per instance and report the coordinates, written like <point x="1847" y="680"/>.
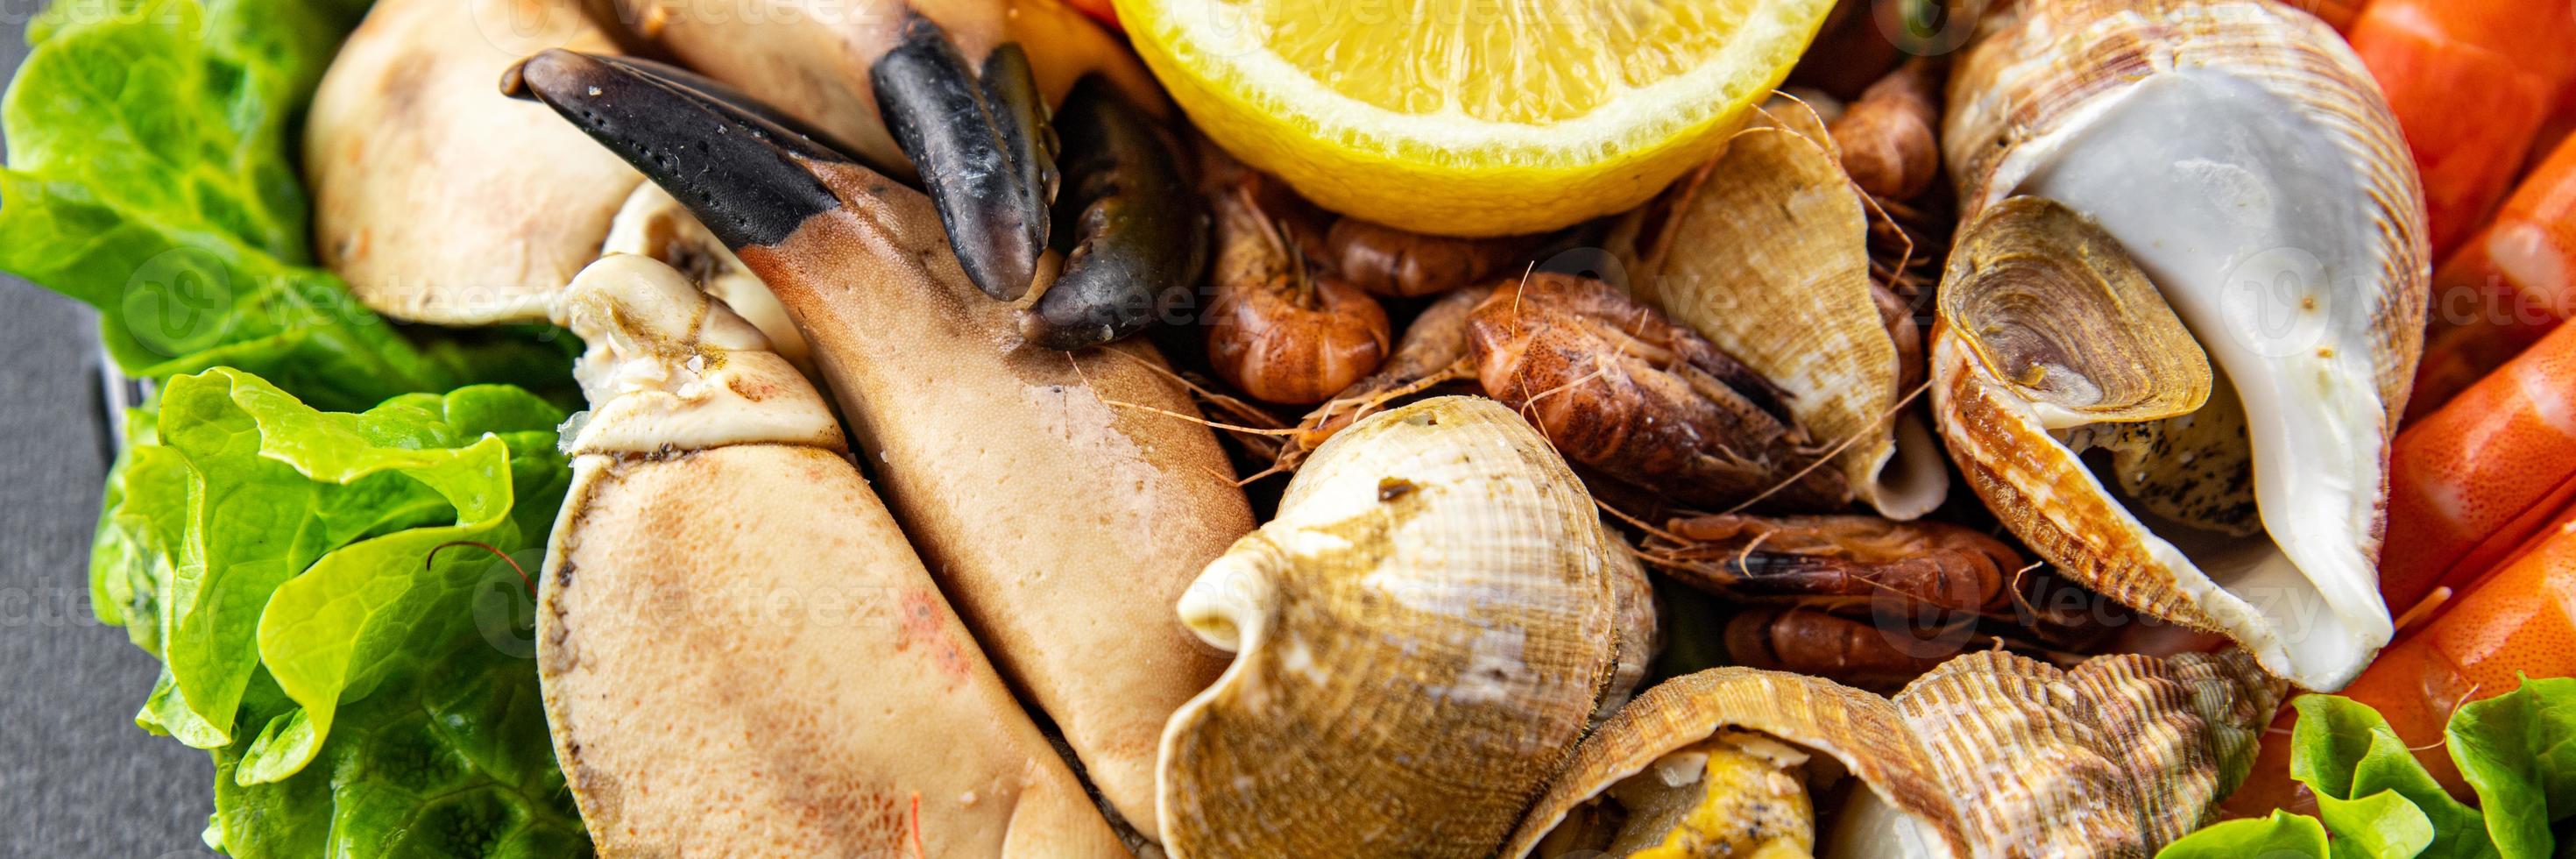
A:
<point x="982" y="440"/>
<point x="744" y="175"/>
<point x="980" y="142"/>
<point x="1138" y="236"/>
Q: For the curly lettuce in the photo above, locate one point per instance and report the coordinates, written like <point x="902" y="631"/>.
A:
<point x="2374" y="799"/>
<point x="319" y="587"/>
<point x="152" y="175"/>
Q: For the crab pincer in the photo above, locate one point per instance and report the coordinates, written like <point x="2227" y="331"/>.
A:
<point x="959" y="93"/>
<point x="1138" y="238"/>
<point x="980" y="438"/>
<point x="980" y="140"/>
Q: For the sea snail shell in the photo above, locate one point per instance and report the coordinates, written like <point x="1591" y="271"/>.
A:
<point x="1422" y="634"/>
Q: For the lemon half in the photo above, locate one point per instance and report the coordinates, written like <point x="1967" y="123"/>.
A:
<point x="1472" y="117"/>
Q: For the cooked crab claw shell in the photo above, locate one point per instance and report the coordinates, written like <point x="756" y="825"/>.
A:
<point x="1061" y="505"/>
<point x="1138" y="237"/>
<point x="744" y="175"/>
<point x="791" y="705"/>
<point x="979" y="139"/>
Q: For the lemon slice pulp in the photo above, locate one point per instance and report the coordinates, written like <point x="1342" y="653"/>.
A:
<point x="1471" y="117"/>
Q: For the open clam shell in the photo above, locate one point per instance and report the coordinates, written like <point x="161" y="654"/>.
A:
<point x="1991" y="754"/>
<point x="2237" y="151"/>
<point x="1765" y="251"/>
<point x="1421" y="636"/>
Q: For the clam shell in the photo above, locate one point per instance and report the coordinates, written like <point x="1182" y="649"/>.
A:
<point x="2242" y="156"/>
<point x="1765" y="252"/>
<point x="1991" y="754"/>
<point x="1421" y="636"/>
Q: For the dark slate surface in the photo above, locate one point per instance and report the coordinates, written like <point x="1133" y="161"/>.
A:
<point x="77" y="779"/>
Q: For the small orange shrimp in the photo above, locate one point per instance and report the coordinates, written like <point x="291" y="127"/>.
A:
<point x="1887" y="137"/>
<point x="2473" y="480"/>
<point x="2471" y="82"/>
<point x="1402" y="264"/>
<point x="2508" y="286"/>
<point x="1620" y="388"/>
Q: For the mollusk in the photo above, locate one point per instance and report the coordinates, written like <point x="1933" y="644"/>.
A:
<point x="1991" y="754"/>
<point x="1422" y="634"/>
<point x="1773" y="231"/>
<point x="2240" y="155"/>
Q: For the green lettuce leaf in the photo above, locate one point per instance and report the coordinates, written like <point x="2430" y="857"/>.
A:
<point x="2518" y="750"/>
<point x="2371" y="791"/>
<point x="2281" y="836"/>
<point x="338" y="624"/>
<point x="449" y="757"/>
<point x="152" y="175"/>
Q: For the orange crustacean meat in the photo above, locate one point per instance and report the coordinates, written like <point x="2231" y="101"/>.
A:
<point x="2474" y="480"/>
<point x="2472" y="82"/>
<point x="2506" y="288"/>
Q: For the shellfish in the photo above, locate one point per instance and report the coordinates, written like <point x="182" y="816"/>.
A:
<point x="1421" y="636"/>
<point x="729" y="611"/>
<point x="1773" y="230"/>
<point x="2237" y="153"/>
<point x="437" y="199"/>
<point x="1060" y="525"/>
<point x="1990" y="754"/>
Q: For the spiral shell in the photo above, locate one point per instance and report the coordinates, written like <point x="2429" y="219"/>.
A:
<point x="1765" y="251"/>
<point x="2237" y="152"/>
<point x="1991" y="754"/>
<point x="1422" y="634"/>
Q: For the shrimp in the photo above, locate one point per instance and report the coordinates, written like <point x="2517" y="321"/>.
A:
<point x="1622" y="389"/>
<point x="1280" y="331"/>
<point x="1888" y="136"/>
<point x="2475" y="479"/>
<point x="1863" y="600"/>
<point x="2471" y="82"/>
<point x="2506" y="288"/>
<point x="1401" y="264"/>
<point x="1847" y="560"/>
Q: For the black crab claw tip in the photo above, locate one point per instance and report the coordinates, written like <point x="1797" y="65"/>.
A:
<point x="979" y="143"/>
<point x="738" y="170"/>
<point x="1139" y="239"/>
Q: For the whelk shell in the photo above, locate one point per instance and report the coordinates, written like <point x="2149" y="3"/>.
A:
<point x="1422" y="635"/>
<point x="2241" y="156"/>
<point x="1991" y="754"/>
<point x="1765" y="251"/>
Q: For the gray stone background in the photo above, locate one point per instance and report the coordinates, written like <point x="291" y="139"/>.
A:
<point x="77" y="779"/>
